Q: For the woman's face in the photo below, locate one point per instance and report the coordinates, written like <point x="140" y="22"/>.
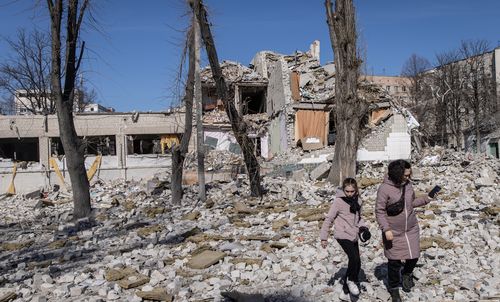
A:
<point x="349" y="191"/>
<point x="406" y="175"/>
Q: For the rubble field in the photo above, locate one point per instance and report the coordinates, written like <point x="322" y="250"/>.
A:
<point x="138" y="246"/>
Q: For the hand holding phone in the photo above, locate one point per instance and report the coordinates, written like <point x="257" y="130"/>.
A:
<point x="434" y="191"/>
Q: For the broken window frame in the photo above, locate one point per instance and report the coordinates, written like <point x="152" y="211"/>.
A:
<point x="244" y="95"/>
<point x="24" y="149"/>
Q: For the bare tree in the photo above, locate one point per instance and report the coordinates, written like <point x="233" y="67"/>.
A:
<point x="7" y="106"/>
<point x="63" y="94"/>
<point x="349" y="108"/>
<point x="414" y="69"/>
<point x="480" y="89"/>
<point x="179" y="151"/>
<point x="26" y="73"/>
<point x="238" y="125"/>
<point x="84" y="96"/>
<point x="447" y="89"/>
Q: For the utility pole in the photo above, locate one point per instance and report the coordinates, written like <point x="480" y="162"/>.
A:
<point x="199" y="108"/>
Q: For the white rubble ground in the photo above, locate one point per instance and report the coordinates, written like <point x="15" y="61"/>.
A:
<point x="271" y="245"/>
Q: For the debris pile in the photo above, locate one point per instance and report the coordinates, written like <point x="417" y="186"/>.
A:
<point x="233" y="72"/>
<point x="139" y="246"/>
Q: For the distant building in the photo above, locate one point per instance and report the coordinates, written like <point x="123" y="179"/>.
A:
<point x="31" y="102"/>
<point x="27" y="102"/>
<point x="97" y="108"/>
<point x="396" y="87"/>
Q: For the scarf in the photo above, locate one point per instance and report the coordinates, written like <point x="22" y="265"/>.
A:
<point x="353" y="203"/>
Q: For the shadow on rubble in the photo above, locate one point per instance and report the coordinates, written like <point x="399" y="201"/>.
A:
<point x="339" y="275"/>
<point x="23" y="261"/>
<point x="380" y="273"/>
<point x="235" y="296"/>
<point x="70" y="254"/>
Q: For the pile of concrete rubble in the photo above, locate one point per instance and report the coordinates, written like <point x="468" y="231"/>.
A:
<point x="138" y="246"/>
<point x="232" y="71"/>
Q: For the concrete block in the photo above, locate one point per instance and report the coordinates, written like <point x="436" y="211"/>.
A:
<point x="320" y="171"/>
<point x="205" y="259"/>
<point x="311" y="143"/>
<point x="299" y="175"/>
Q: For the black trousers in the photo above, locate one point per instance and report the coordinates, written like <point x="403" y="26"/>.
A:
<point x="394" y="269"/>
<point x="351" y="248"/>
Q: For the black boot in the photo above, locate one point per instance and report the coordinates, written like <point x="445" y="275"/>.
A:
<point x="408" y="282"/>
<point x="395" y="295"/>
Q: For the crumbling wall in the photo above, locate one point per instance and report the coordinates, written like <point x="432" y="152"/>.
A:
<point x="389" y="141"/>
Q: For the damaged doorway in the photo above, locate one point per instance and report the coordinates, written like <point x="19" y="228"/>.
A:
<point x="253" y="99"/>
<point x="24" y="149"/>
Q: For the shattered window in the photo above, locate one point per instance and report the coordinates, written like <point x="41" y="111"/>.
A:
<point x="253" y="99"/>
<point x="147" y="144"/>
<point x="94" y="145"/>
<point x="24" y="149"/>
<point x="209" y="98"/>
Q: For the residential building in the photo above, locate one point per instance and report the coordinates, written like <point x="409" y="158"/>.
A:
<point x="27" y="102"/>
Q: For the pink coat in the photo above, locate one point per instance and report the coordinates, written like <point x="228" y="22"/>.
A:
<point x="346" y="224"/>
<point x="404" y="227"/>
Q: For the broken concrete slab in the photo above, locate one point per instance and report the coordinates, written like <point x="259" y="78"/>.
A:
<point x="157" y="294"/>
<point x="133" y="281"/>
<point x="366" y="182"/>
<point x="247" y="261"/>
<point x="299" y="175"/>
<point x="241" y="208"/>
<point x="118" y="274"/>
<point x="33" y="195"/>
<point x="205" y="259"/>
<point x="192" y="215"/>
<point x="9" y="296"/>
<point x="310" y="143"/>
<point x="320" y="171"/>
<point x="14" y="246"/>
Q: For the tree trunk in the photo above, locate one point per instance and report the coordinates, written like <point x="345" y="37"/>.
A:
<point x="349" y="109"/>
<point x="238" y="126"/>
<point x="478" y="132"/>
<point x="200" y="137"/>
<point x="64" y="98"/>
<point x="179" y="152"/>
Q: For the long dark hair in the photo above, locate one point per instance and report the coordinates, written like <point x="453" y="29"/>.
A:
<point x="396" y="170"/>
<point x="350" y="182"/>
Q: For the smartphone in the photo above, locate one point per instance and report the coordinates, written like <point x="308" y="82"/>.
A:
<point x="434" y="191"/>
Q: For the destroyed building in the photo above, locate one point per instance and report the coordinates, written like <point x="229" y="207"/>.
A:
<point x="288" y="100"/>
<point x="126" y="145"/>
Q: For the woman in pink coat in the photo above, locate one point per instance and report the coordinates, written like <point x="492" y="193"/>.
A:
<point x="345" y="214"/>
<point x="399" y="225"/>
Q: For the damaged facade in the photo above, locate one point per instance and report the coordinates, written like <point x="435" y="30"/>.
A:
<point x="288" y="101"/>
<point x="128" y="145"/>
